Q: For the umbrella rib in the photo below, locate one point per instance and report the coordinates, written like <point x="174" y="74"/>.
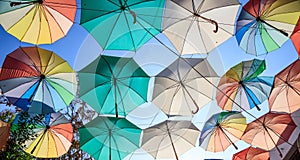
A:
<point x="32" y="61"/>
<point x="59" y="26"/>
<point x="265" y="127"/>
<point x="132" y="89"/>
<point x="183" y="6"/>
<point x="290" y="86"/>
<point x="42" y="137"/>
<point x="228" y="138"/>
<point x="111" y="31"/>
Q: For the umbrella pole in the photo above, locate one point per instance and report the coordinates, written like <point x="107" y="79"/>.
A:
<point x="12" y="4"/>
<point x="115" y="94"/>
<point x="34" y="148"/>
<point x="169" y="134"/>
<point x="227" y="137"/>
<point x="265" y="127"/>
<point x="279" y="30"/>
<point x="250" y="97"/>
<point x="289" y="85"/>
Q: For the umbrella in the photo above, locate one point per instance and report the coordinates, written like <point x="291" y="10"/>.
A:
<point x="269" y="131"/>
<point x="241" y="89"/>
<point x="37" y="21"/>
<point x="113" y="85"/>
<point x="37" y="80"/>
<point x="264" y="25"/>
<point x="123" y="24"/>
<point x="109" y="138"/>
<point x="198" y="26"/>
<point x="169" y="139"/>
<point x="296" y="37"/>
<point x="185" y="86"/>
<point x="4" y="134"/>
<point x="252" y="153"/>
<point x="51" y="137"/>
<point x="222" y="130"/>
<point x="286" y="90"/>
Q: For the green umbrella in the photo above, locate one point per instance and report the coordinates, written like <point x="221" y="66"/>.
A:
<point x="122" y="24"/>
<point x="113" y="85"/>
<point x="109" y="138"/>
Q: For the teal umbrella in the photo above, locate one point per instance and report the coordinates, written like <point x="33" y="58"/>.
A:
<point x="113" y="85"/>
<point x="122" y="24"/>
<point x="109" y="138"/>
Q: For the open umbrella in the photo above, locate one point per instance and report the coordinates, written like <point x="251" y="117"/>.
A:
<point x="264" y="25"/>
<point x="286" y="91"/>
<point x="113" y="85"/>
<point x="185" y="86"/>
<point x="4" y="134"/>
<point x="296" y="37"/>
<point x="109" y="138"/>
<point x="123" y="24"/>
<point x="169" y="139"/>
<point x="37" y="80"/>
<point x="241" y="89"/>
<point x="37" y="21"/>
<point x="222" y="130"/>
<point x="51" y="137"/>
<point x="199" y="26"/>
<point x="252" y="153"/>
<point x="269" y="131"/>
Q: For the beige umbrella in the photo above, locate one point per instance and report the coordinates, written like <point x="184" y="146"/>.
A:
<point x="169" y="139"/>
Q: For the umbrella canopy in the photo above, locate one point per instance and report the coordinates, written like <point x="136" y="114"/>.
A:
<point x="4" y="134"/>
<point x="241" y="89"/>
<point x="113" y="85"/>
<point x="196" y="26"/>
<point x="269" y="131"/>
<point x="37" y="80"/>
<point x="169" y="139"/>
<point x="123" y="24"/>
<point x="252" y="153"/>
<point x="286" y="90"/>
<point x="37" y="21"/>
<point x="222" y="130"/>
<point x="51" y="137"/>
<point x="296" y="37"/>
<point x="109" y="138"/>
<point x="264" y="25"/>
<point x="185" y="86"/>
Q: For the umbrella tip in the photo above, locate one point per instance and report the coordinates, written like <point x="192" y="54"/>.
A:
<point x="42" y="76"/>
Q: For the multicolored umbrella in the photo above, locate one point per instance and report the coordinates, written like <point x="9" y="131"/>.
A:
<point x="37" y="80"/>
<point x="123" y="24"/>
<point x="197" y="26"/>
<point x="222" y="130"/>
<point x="37" y="21"/>
<point x="269" y="131"/>
<point x="265" y="25"/>
<point x="185" y="86"/>
<point x="296" y="37"/>
<point x="252" y="153"/>
<point x="113" y="85"/>
<point x="241" y="88"/>
<point x="109" y="138"/>
<point x="286" y="91"/>
<point x="169" y="139"/>
<point x="4" y="134"/>
<point x="51" y="138"/>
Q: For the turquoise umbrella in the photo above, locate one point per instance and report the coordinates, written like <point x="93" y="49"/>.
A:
<point x="109" y="138"/>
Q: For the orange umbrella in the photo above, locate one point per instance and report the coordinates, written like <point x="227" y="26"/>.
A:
<point x="286" y="90"/>
<point x="4" y="134"/>
<point x="269" y="131"/>
<point x="296" y="37"/>
<point x="252" y="153"/>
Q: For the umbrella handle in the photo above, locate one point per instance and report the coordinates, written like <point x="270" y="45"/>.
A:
<point x="216" y="24"/>
<point x="133" y="15"/>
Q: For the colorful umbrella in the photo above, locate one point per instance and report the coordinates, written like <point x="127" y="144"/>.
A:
<point x="123" y="24"/>
<point x="252" y="153"/>
<point x="286" y="91"/>
<point x="185" y="86"/>
<point x="264" y="25"/>
<point x="222" y="130"/>
<point x="51" y="137"/>
<point x="37" y="21"/>
<point x="296" y="37"/>
<point x="37" y="80"/>
<point x="241" y="88"/>
<point x="4" y="134"/>
<point x="109" y="138"/>
<point x="169" y="139"/>
<point x="113" y="85"/>
<point x="269" y="131"/>
<point x="197" y="26"/>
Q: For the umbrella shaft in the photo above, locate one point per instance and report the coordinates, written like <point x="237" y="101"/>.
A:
<point x="281" y="31"/>
<point x="12" y="4"/>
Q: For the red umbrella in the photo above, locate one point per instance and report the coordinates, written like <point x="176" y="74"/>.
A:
<point x="252" y="153"/>
<point x="269" y="131"/>
<point x="296" y="37"/>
